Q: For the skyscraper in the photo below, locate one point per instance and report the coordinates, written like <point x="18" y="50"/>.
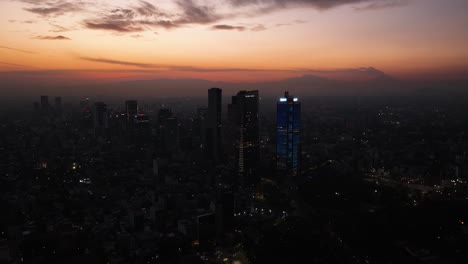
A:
<point x="288" y="119"/>
<point x="213" y="125"/>
<point x="58" y="106"/>
<point x="243" y="117"/>
<point x="202" y="116"/>
<point x="131" y="110"/>
<point x="58" y="103"/>
<point x="100" y="117"/>
<point x="168" y="131"/>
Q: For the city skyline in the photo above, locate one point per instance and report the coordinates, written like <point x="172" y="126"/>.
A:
<point x="177" y="181"/>
<point x="233" y="41"/>
<point x="233" y="131"/>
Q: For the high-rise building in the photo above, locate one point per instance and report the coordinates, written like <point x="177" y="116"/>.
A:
<point x="58" y="103"/>
<point x="214" y="125"/>
<point x="172" y="137"/>
<point x="288" y="119"/>
<point x="58" y="106"/>
<point x="100" y="116"/>
<point x="163" y="115"/>
<point x="168" y="130"/>
<point x="131" y="110"/>
<point x="200" y="128"/>
<point x="206" y="230"/>
<point x="243" y="117"/>
<point x="143" y="126"/>
<point x="224" y="210"/>
<point x="44" y="104"/>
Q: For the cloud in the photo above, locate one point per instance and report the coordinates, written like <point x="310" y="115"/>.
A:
<point x="364" y="73"/>
<point x="139" y="15"/>
<point x="148" y="10"/>
<point x="58" y="29"/>
<point x="52" y="38"/>
<point x="317" y="4"/>
<point x="197" y="14"/>
<point x="258" y="27"/>
<point x="118" y="62"/>
<point x="19" y="50"/>
<point x="61" y="7"/>
<point x="376" y="5"/>
<point x="134" y="18"/>
<point x="173" y="67"/>
<point x="227" y="27"/>
<point x="122" y="26"/>
<point x="16" y="65"/>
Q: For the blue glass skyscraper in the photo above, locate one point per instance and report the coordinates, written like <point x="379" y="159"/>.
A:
<point x="288" y="120"/>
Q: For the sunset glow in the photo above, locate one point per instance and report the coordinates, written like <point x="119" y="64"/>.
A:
<point x="234" y="40"/>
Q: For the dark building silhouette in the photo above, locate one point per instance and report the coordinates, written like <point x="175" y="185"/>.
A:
<point x="200" y="127"/>
<point x="58" y="104"/>
<point x="37" y="107"/>
<point x="288" y="125"/>
<point x="206" y="230"/>
<point x="131" y="110"/>
<point x="168" y="131"/>
<point x="213" y="125"/>
<point x="171" y="135"/>
<point x="143" y="126"/>
<point x="225" y="210"/>
<point x="100" y="117"/>
<point x="163" y="114"/>
<point x="44" y="104"/>
<point x="243" y="117"/>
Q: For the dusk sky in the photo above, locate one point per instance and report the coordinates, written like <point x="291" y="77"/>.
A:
<point x="234" y="40"/>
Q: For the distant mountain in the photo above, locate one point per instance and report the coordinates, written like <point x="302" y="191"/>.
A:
<point x="375" y="82"/>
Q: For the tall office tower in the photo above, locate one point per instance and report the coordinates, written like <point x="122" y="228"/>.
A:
<point x="143" y="125"/>
<point x="168" y="130"/>
<point x="224" y="210"/>
<point x="206" y="230"/>
<point x="163" y="115"/>
<point x="171" y="136"/>
<point x="213" y="124"/>
<point x="100" y="117"/>
<point x="58" y="106"/>
<point x="288" y="119"/>
<point x="131" y="110"/>
<point x="44" y="104"/>
<point x="200" y="126"/>
<point x="243" y="118"/>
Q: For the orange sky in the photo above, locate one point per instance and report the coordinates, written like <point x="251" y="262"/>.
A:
<point x="219" y="40"/>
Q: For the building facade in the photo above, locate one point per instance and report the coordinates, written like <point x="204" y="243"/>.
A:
<point x="288" y="118"/>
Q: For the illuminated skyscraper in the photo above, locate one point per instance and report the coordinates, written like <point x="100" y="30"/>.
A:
<point x="288" y="119"/>
<point x="243" y="117"/>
